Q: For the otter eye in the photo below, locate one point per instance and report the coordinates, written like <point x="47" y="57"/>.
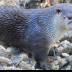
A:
<point x="58" y="11"/>
<point x="70" y="17"/>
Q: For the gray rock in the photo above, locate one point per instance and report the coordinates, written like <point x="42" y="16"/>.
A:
<point x="12" y="59"/>
<point x="65" y="55"/>
<point x="17" y="59"/>
<point x="24" y="66"/>
<point x="10" y="68"/>
<point x="68" y="67"/>
<point x="59" y="63"/>
<point x="69" y="59"/>
<point x="64" y="47"/>
<point x="4" y="52"/>
<point x="14" y="50"/>
<point x="8" y="52"/>
<point x="67" y="36"/>
<point x="20" y="61"/>
<point x="5" y="61"/>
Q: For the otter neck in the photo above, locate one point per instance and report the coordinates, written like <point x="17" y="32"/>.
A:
<point x="60" y="31"/>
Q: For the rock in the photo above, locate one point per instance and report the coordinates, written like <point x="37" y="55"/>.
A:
<point x="17" y="59"/>
<point x="55" y="45"/>
<point x="70" y="64"/>
<point x="12" y="59"/>
<point x="24" y="66"/>
<point x="67" y="36"/>
<point x="24" y="57"/>
<point x="5" y="61"/>
<point x="22" y="61"/>
<point x="68" y="67"/>
<point x="4" y="52"/>
<point x="64" y="43"/>
<point x="10" y="68"/>
<point x="64" y="47"/>
<point x="69" y="59"/>
<point x="8" y="52"/>
<point x="62" y="63"/>
<point x="13" y="50"/>
<point x="38" y="69"/>
<point x="56" y="67"/>
<point x="65" y="55"/>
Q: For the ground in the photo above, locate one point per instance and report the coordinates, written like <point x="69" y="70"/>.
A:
<point x="59" y="58"/>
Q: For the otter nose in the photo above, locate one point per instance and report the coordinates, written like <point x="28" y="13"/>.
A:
<point x="70" y="17"/>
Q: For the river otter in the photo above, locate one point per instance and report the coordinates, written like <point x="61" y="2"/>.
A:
<point x="35" y="30"/>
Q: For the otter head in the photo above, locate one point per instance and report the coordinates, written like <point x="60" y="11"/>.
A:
<point x="63" y="14"/>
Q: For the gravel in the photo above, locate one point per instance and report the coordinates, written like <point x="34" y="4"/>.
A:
<point x="60" y="58"/>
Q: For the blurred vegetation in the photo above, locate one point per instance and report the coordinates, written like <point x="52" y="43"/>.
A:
<point x="32" y="4"/>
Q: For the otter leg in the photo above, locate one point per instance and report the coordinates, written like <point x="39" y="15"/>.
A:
<point x="40" y="55"/>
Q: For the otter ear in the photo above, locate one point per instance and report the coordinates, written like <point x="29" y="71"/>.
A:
<point x="58" y="11"/>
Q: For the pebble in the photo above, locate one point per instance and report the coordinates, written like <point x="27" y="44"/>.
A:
<point x="66" y="68"/>
<point x="55" y="45"/>
<point x="65" y="55"/>
<point x="24" y="66"/>
<point x="20" y="61"/>
<point x="11" y="68"/>
<point x="5" y="61"/>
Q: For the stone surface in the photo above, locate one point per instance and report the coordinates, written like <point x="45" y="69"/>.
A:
<point x="65" y="55"/>
<point x="12" y="59"/>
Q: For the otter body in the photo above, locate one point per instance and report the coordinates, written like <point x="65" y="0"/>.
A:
<point x="35" y="30"/>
